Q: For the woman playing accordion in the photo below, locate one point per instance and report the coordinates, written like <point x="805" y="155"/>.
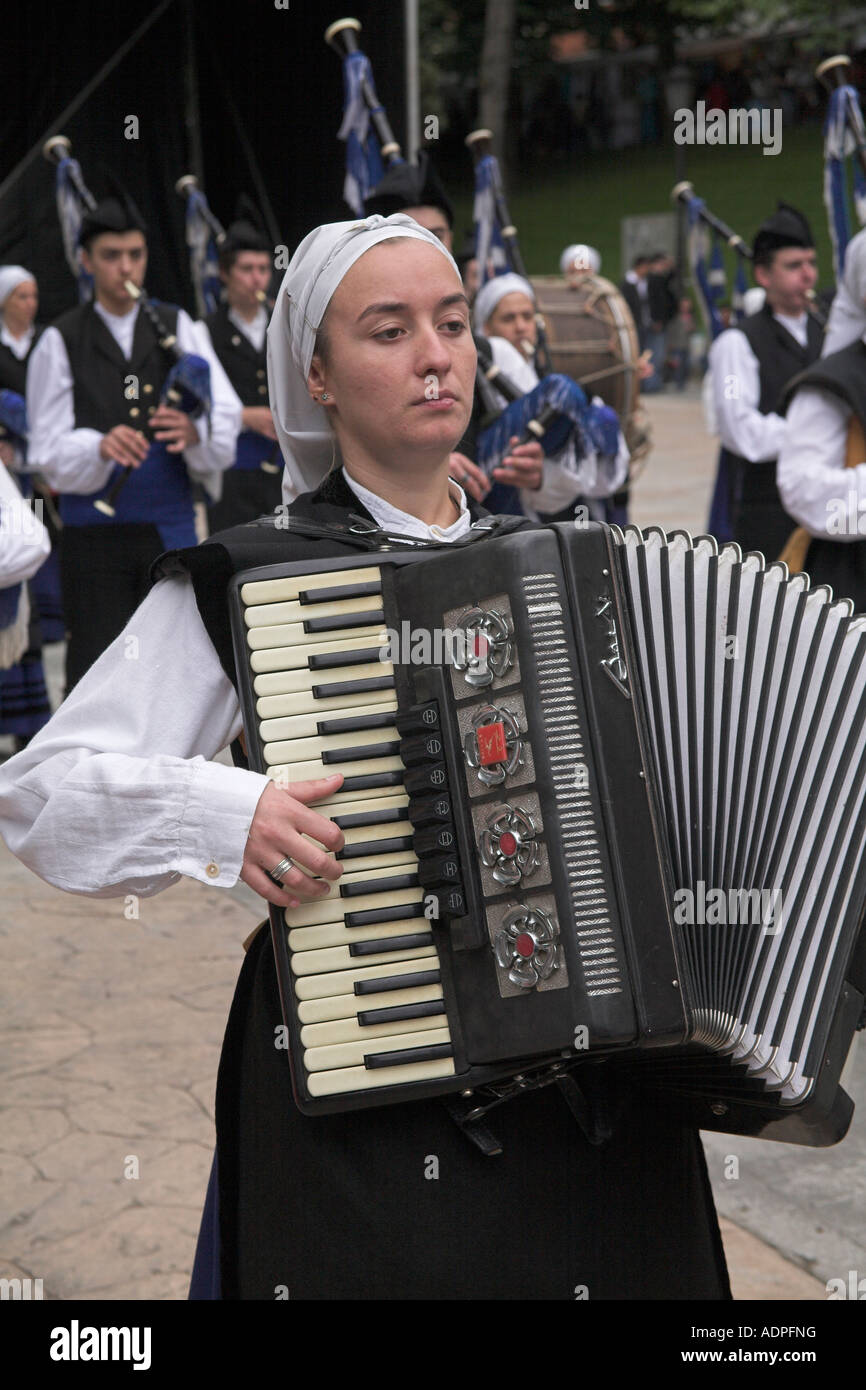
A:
<point x="347" y="1205"/>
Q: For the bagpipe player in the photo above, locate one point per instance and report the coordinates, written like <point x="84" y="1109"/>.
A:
<point x="93" y="393"/>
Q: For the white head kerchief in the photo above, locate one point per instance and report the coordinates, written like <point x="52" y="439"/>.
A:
<point x="579" y="257"/>
<point x="847" y="321"/>
<point x="11" y="276"/>
<point x="495" y="290"/>
<point x="315" y="270"/>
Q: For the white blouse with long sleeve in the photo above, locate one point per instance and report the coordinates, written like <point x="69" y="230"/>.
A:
<point x="736" y="390"/>
<point x="24" y="541"/>
<point x="117" y="794"/>
<point x="814" y="484"/>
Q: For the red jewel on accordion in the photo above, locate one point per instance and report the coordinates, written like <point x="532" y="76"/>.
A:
<point x="491" y="744"/>
<point x="524" y="945"/>
<point x="508" y="843"/>
<point x="480" y="645"/>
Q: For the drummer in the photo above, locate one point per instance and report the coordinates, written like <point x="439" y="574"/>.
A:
<point x="578" y="263"/>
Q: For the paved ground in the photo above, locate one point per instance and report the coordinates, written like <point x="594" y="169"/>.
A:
<point x="111" y="1028"/>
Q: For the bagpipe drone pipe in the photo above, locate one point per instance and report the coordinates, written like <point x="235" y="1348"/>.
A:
<point x="365" y="148"/>
<point x="844" y="136"/>
<point x="497" y="248"/>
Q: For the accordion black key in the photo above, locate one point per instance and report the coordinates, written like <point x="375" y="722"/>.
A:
<point x="603" y="804"/>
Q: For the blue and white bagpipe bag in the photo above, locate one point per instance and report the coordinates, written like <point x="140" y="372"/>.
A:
<point x="584" y="438"/>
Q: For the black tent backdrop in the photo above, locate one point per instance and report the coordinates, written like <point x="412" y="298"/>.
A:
<point x="269" y="94"/>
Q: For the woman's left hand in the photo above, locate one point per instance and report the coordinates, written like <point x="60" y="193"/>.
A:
<point x="523" y="466"/>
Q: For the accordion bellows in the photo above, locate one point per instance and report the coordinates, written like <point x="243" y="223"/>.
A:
<point x="634" y="798"/>
<point x="755" y="691"/>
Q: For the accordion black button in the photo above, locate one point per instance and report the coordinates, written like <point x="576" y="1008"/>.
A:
<point x="424" y="748"/>
<point x="451" y="902"/>
<point x="435" y="839"/>
<point x="429" y="810"/>
<point x="420" y="719"/>
<point x="444" y="868"/>
<point x="432" y="778"/>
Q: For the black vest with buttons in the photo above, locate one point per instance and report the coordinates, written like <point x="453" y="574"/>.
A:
<point x="245" y="368"/>
<point x="100" y="371"/>
<point x="13" y="370"/>
<point x="158" y="493"/>
<point x="760" y="521"/>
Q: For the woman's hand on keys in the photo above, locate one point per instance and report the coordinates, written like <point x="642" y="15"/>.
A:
<point x="281" y="822"/>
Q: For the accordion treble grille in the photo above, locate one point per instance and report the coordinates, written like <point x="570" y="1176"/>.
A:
<point x="564" y="739"/>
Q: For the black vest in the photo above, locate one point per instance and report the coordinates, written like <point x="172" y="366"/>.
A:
<point x="843" y="374"/>
<point x="842" y="565"/>
<point x="245" y="368"/>
<point x="270" y="539"/>
<point x="100" y="370"/>
<point x="13" y="371"/>
<point x="780" y="357"/>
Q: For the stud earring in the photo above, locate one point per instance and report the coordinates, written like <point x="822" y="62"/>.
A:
<point x="324" y="395"/>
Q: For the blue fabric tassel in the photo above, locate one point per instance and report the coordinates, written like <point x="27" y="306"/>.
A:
<point x="71" y="207"/>
<point x="489" y="246"/>
<point x="363" y="161"/>
<point x="190" y="376"/>
<point x="203" y="255"/>
<point x="13" y="417"/>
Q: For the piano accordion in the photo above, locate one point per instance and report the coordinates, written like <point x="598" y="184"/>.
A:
<point x="603" y="804"/>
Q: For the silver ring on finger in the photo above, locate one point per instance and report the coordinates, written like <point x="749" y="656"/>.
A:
<point x="276" y="874"/>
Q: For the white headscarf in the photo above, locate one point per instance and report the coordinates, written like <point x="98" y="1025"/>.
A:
<point x="315" y="271"/>
<point x="847" y="321"/>
<point x="11" y="276"/>
<point x="580" y="257"/>
<point x="495" y="290"/>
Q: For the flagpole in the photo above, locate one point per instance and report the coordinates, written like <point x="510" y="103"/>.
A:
<point x="413" y="95"/>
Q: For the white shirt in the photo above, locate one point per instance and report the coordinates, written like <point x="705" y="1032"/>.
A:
<point x="24" y="541"/>
<point x="564" y="478"/>
<point x="815" y="486"/>
<point x="116" y="794"/>
<point x="736" y="387"/>
<point x="68" y="457"/>
<point x="254" y="330"/>
<point x="18" y="346"/>
<point x="403" y="523"/>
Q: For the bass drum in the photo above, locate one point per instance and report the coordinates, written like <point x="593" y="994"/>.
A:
<point x="592" y="338"/>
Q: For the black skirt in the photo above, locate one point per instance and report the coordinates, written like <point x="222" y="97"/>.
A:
<point x="396" y="1202"/>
